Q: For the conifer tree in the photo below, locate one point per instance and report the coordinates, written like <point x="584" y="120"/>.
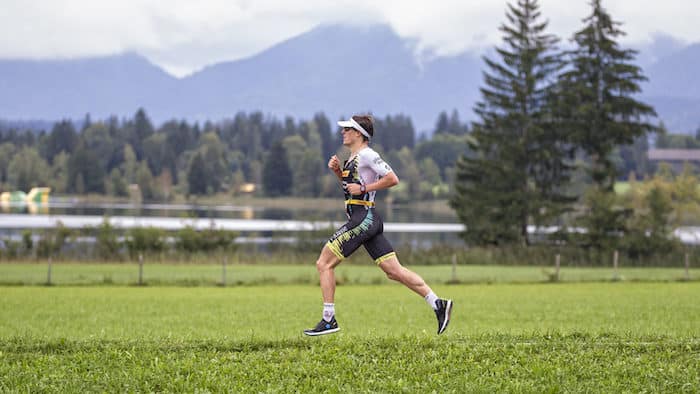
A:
<point x="598" y="94"/>
<point x="601" y="113"/>
<point x="277" y="174"/>
<point x="196" y="175"/>
<point x="520" y="166"/>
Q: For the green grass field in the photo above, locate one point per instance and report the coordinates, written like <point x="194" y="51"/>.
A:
<point x="157" y="274"/>
<point x="593" y="337"/>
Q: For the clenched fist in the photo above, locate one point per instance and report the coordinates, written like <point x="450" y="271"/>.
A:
<point x="334" y="164"/>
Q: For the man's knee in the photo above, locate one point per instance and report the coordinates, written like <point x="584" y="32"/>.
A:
<point x="393" y="275"/>
<point x="321" y="265"/>
<point x="325" y="263"/>
<point x="393" y="272"/>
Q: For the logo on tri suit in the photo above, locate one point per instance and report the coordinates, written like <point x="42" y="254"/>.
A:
<point x="340" y="231"/>
<point x="378" y="161"/>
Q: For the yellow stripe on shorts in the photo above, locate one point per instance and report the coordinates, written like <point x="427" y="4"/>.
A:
<point x="335" y="249"/>
<point x="385" y="258"/>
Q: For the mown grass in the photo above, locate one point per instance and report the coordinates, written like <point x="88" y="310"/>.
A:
<point x="159" y="274"/>
<point x="403" y="364"/>
<point x="591" y="337"/>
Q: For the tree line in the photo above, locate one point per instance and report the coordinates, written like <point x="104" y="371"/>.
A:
<point x="127" y="157"/>
<point x="132" y="157"/>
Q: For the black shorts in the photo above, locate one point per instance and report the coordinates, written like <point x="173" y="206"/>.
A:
<point x="365" y="227"/>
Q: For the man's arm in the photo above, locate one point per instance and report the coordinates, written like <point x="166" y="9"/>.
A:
<point x="385" y="182"/>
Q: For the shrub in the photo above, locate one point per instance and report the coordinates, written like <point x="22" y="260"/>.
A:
<point x="145" y="240"/>
<point x="53" y="240"/>
<point x="191" y="241"/>
<point x="107" y="245"/>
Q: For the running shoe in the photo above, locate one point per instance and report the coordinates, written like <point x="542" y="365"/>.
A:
<point x="443" y="311"/>
<point x="323" y="327"/>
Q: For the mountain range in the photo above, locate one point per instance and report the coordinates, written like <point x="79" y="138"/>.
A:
<point x="339" y="70"/>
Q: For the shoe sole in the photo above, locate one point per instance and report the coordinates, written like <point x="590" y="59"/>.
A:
<point x="448" y="314"/>
<point x="315" y="334"/>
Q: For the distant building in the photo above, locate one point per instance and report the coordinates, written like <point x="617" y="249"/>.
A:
<point x="247" y="188"/>
<point x="676" y="158"/>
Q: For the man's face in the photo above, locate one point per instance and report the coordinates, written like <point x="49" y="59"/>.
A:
<point x="350" y="135"/>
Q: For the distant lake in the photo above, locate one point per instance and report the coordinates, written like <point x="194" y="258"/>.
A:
<point x="396" y="213"/>
<point x="403" y="213"/>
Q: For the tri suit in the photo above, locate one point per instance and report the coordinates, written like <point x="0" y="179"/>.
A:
<point x="364" y="226"/>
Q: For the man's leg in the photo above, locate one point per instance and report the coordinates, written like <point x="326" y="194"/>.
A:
<point x="343" y="243"/>
<point x="326" y="263"/>
<point x="395" y="271"/>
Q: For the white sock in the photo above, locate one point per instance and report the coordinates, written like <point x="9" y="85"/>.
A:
<point x="328" y="311"/>
<point x="430" y="299"/>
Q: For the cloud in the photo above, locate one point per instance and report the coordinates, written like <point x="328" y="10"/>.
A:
<point x="183" y="35"/>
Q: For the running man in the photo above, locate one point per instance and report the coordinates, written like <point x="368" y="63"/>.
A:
<point x="362" y="175"/>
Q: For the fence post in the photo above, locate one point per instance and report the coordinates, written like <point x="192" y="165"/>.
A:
<point x="48" y="275"/>
<point x="140" y="269"/>
<point x="556" y="267"/>
<point x="223" y="272"/>
<point x="454" y="268"/>
<point x="687" y="266"/>
<point x="616" y="255"/>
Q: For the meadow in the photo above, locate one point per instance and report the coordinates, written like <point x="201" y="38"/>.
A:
<point x="348" y="273"/>
<point x="593" y="337"/>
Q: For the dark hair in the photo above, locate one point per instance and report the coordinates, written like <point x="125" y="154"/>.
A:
<point x="367" y="123"/>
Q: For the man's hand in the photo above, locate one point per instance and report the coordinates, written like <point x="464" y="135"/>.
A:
<point x="354" y="189"/>
<point x="334" y="164"/>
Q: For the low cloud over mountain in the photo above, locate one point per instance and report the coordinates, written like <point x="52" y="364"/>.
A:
<point x="336" y="69"/>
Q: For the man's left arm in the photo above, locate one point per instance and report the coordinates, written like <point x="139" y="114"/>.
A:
<point x="385" y="182"/>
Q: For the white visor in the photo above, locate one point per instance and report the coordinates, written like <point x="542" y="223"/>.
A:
<point x="352" y="123"/>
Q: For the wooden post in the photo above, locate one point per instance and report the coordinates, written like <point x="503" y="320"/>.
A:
<point x="48" y="275"/>
<point x="687" y="266"/>
<point x="454" y="268"/>
<point x="616" y="255"/>
<point x="140" y="269"/>
<point x="556" y="267"/>
<point x="223" y="272"/>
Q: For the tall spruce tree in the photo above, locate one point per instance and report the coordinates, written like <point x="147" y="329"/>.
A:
<point x="197" y="175"/>
<point x="601" y="113"/>
<point x="63" y="138"/>
<point x="520" y="166"/>
<point x="277" y="174"/>
<point x="597" y="93"/>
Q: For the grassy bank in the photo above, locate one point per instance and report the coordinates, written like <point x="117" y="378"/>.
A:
<point x="156" y="274"/>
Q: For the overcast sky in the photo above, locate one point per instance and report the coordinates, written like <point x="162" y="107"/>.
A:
<point x="182" y="36"/>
